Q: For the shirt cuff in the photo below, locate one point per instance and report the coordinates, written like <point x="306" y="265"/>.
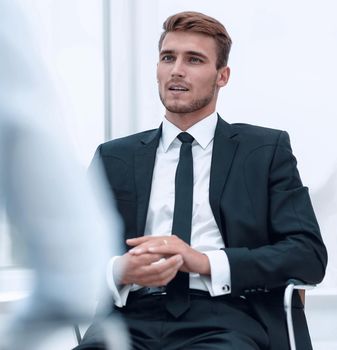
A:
<point x="219" y="282"/>
<point x="119" y="293"/>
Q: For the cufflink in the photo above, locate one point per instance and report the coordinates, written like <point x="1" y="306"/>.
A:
<point x="225" y="288"/>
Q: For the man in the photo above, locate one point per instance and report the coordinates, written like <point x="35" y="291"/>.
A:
<point x="55" y="211"/>
<point x="208" y="265"/>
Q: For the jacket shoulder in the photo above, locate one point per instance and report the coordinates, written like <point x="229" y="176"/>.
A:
<point x="256" y="130"/>
<point x="260" y="135"/>
<point x="255" y="138"/>
<point x="126" y="143"/>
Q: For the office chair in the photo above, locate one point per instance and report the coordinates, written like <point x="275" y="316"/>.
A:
<point x="287" y="302"/>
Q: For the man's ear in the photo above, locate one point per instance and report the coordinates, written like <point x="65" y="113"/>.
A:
<point x="223" y="76"/>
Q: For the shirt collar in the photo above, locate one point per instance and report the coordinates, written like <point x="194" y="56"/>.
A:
<point x="203" y="131"/>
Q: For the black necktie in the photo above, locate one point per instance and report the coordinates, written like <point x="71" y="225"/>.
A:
<point x="177" y="290"/>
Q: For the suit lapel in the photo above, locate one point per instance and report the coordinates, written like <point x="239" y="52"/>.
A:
<point x="145" y="157"/>
<point x="224" y="149"/>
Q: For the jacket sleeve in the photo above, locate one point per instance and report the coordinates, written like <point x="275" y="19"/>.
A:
<point x="296" y="249"/>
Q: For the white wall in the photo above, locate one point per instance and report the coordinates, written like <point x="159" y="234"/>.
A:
<point x="283" y="76"/>
<point x="71" y="37"/>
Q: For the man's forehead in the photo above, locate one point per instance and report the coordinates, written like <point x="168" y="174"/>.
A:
<point x="184" y="42"/>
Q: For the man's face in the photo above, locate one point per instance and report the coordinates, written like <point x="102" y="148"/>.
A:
<point x="187" y="76"/>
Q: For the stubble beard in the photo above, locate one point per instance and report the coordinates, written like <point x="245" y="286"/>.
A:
<point x="193" y="106"/>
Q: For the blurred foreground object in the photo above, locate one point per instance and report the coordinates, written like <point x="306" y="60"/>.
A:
<point x="58" y="212"/>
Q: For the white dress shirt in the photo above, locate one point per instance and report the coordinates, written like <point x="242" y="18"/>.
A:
<point x="205" y="235"/>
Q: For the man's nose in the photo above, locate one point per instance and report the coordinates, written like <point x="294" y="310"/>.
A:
<point x="178" y="69"/>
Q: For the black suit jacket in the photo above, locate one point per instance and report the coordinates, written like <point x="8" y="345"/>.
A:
<point x="262" y="210"/>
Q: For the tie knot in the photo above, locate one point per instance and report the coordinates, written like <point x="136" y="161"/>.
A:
<point x="185" y="137"/>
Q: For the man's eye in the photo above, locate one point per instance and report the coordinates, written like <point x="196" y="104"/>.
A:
<point x="195" y="60"/>
<point x="167" y="58"/>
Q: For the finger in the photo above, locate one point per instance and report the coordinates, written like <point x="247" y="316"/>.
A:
<point x="164" y="249"/>
<point x="161" y="273"/>
<point x="168" y="246"/>
<point x="144" y="247"/>
<point x="168" y="274"/>
<point x="139" y="240"/>
<point x="138" y="250"/>
<point x="132" y="267"/>
<point x="146" y="259"/>
<point x="159" y="267"/>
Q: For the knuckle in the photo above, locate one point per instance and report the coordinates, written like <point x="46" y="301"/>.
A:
<point x="160" y="270"/>
<point x="161" y="283"/>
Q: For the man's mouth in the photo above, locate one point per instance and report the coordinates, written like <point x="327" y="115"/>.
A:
<point x="177" y="88"/>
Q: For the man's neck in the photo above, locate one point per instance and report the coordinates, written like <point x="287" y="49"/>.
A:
<point x="187" y="120"/>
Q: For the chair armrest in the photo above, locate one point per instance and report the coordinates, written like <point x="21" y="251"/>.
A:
<point x="292" y="285"/>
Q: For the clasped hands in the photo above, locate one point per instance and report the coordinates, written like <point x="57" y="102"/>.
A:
<point x="154" y="261"/>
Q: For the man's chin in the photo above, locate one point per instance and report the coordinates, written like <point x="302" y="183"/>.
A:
<point x="179" y="109"/>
